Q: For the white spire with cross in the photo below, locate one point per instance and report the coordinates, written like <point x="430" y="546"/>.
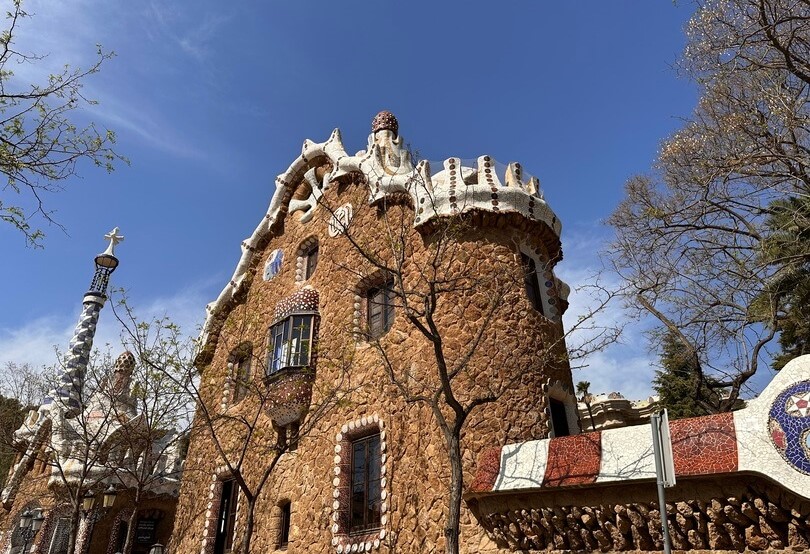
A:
<point x="114" y="239"/>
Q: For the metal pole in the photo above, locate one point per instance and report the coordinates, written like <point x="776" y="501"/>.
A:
<point x="655" y="420"/>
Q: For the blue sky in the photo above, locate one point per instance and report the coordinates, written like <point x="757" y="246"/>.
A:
<point x="211" y="100"/>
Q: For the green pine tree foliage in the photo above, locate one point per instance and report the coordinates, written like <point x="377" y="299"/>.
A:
<point x="676" y="382"/>
<point x="788" y="248"/>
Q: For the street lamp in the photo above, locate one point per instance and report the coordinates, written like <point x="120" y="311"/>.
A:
<point x="109" y="497"/>
<point x="157" y="548"/>
<point x="25" y="519"/>
<point x="88" y="500"/>
<point x="36" y="523"/>
<point x="30" y="524"/>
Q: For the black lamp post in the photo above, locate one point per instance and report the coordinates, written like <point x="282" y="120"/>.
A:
<point x="30" y="524"/>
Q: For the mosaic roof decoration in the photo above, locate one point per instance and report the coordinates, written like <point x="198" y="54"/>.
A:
<point x="437" y="189"/>
<point x="273" y="264"/>
<point x="789" y="426"/>
<point x="385" y="120"/>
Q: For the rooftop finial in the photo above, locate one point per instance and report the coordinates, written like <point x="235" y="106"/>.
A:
<point x="385" y="120"/>
<point x="114" y="239"/>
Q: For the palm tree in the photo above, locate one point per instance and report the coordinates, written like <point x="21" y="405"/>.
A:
<point x="585" y="396"/>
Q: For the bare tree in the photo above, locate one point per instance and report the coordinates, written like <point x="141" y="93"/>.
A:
<point x="41" y="142"/>
<point x="120" y="434"/>
<point x="66" y="444"/>
<point x="21" y="387"/>
<point x="432" y="278"/>
<point x="23" y="382"/>
<point x="691" y="240"/>
<point x="144" y="457"/>
<point x="237" y="429"/>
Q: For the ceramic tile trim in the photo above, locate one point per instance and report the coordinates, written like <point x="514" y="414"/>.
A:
<point x="770" y="437"/>
<point x="388" y="170"/>
<point x="342" y="542"/>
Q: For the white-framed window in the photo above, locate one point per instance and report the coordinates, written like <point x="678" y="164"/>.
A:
<point x="290" y="343"/>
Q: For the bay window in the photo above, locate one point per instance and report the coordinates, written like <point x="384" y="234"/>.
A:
<point x="290" y="343"/>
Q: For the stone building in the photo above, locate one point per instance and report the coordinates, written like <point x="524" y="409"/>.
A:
<point x="70" y="469"/>
<point x="317" y="381"/>
<point x="310" y="307"/>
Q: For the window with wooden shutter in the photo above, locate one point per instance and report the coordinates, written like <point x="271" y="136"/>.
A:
<point x="241" y="376"/>
<point x="284" y="525"/>
<point x="380" y="309"/>
<point x="226" y="522"/>
<point x="310" y="261"/>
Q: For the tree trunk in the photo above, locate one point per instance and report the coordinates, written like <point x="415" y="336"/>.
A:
<point x="75" y="521"/>
<point x="249" y="524"/>
<point x="451" y="530"/>
<point x="133" y="518"/>
<point x="590" y="415"/>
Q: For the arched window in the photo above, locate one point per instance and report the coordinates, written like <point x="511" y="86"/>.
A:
<point x="226" y="518"/>
<point x="365" y="500"/>
<point x="306" y="259"/>
<point x="561" y="410"/>
<point x="532" y="282"/>
<point x="310" y="261"/>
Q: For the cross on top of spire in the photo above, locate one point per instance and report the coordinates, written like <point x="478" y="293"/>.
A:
<point x="114" y="239"/>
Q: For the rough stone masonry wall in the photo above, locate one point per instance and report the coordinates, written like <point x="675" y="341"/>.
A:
<point x="33" y="493"/>
<point x="417" y="472"/>
<point x="730" y="515"/>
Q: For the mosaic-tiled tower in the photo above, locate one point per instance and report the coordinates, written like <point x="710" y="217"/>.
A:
<point x="72" y="380"/>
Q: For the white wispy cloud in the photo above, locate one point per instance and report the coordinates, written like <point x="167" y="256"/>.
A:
<point x="149" y="127"/>
<point x="67" y="32"/>
<point x="193" y="35"/>
<point x="35" y="342"/>
<point x="626" y="366"/>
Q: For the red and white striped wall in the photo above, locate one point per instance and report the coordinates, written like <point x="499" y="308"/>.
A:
<point x="770" y="436"/>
